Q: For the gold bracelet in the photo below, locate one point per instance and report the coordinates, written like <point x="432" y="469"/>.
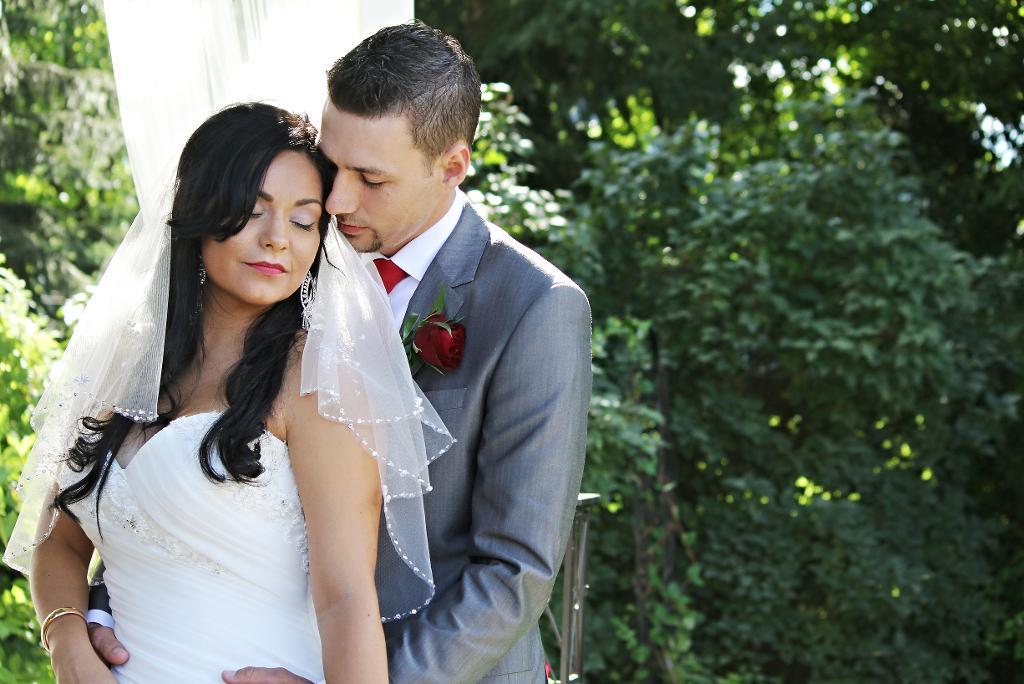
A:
<point x="53" y="617"/>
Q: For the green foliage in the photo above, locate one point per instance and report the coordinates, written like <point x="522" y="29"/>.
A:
<point x="66" y="193"/>
<point x="502" y="161"/>
<point x="989" y="431"/>
<point x="805" y="305"/>
<point x="27" y="349"/>
<point x="798" y="223"/>
<point x="814" y="346"/>
<point x="805" y="405"/>
<point x="806" y="416"/>
<point x="946" y="72"/>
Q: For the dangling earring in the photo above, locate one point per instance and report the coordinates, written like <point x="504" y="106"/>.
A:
<point x="306" y="295"/>
<point x="202" y="281"/>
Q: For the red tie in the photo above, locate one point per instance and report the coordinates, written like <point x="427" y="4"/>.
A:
<point x="390" y="273"/>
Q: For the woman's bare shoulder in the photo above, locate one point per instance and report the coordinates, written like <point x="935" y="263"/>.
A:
<point x="291" y="384"/>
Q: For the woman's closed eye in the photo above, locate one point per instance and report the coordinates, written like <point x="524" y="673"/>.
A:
<point x="303" y="222"/>
<point x="371" y="184"/>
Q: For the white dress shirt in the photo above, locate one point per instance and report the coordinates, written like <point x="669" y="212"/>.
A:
<point x="416" y="256"/>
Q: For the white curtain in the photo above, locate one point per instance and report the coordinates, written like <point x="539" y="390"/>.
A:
<point x="178" y="61"/>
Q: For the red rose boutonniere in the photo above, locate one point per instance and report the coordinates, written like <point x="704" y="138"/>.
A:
<point x="433" y="340"/>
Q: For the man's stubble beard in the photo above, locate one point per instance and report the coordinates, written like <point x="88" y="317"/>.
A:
<point x="375" y="242"/>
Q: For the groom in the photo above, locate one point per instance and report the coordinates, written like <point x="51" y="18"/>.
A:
<point x="399" y="125"/>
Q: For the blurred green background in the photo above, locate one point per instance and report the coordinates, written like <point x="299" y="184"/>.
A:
<point x="800" y="225"/>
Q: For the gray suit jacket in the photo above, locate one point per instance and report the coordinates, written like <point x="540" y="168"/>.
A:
<point x="499" y="516"/>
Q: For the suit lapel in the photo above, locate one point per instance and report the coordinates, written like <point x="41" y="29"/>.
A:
<point x="426" y="292"/>
<point x="455" y="265"/>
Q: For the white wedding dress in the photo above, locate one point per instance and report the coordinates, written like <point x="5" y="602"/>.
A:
<point x="203" y="577"/>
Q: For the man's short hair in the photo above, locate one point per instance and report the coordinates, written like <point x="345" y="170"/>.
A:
<point x="414" y="70"/>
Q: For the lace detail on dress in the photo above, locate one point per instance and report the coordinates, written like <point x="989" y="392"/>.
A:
<point x="118" y="506"/>
<point x="273" y="494"/>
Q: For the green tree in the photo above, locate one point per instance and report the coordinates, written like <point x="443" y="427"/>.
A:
<point x="66" y="193"/>
<point x="806" y="417"/>
<point x="947" y="73"/>
<point x="797" y="223"/>
<point x="805" y="404"/>
<point x="813" y="497"/>
<point x="27" y="348"/>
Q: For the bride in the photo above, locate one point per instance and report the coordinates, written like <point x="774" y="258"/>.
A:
<point x="230" y="419"/>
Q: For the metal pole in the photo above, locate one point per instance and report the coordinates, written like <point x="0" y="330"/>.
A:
<point x="574" y="592"/>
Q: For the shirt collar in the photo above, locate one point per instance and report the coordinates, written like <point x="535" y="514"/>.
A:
<point x="415" y="257"/>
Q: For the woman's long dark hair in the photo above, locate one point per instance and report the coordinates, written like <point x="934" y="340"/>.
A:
<point x="219" y="176"/>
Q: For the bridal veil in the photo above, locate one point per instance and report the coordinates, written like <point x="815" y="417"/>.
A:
<point x="176" y="63"/>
